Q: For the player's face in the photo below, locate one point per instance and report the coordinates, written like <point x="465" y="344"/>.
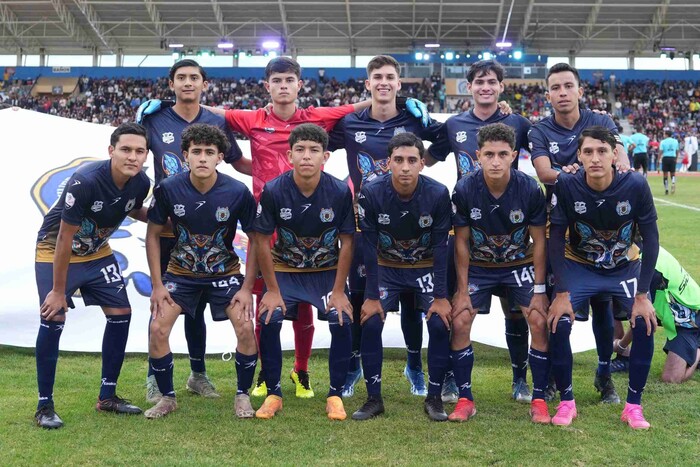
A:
<point x="405" y="164"/>
<point x="188" y="84"/>
<point x="307" y="158"/>
<point x="128" y="155"/>
<point x="597" y="157"/>
<point x="283" y="87"/>
<point x="495" y="158"/>
<point x="486" y="88"/>
<point x="203" y="159"/>
<point x="383" y="83"/>
<point x="564" y="92"/>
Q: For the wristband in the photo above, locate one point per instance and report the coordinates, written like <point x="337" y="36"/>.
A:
<point x="540" y="288"/>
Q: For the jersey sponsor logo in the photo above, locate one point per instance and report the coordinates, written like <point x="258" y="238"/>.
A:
<point x="623" y="208"/>
<point x="222" y="214"/>
<point x="96" y="206"/>
<point x="494" y="207"/>
<point x="115" y="201"/>
<point x="425" y="221"/>
<point x="360" y="212"/>
<point x="305" y="207"/>
<point x="599" y="202"/>
<point x="70" y="200"/>
<point x="461" y="136"/>
<point x="179" y="210"/>
<point x="571" y="139"/>
<point x="130" y="205"/>
<point x="76" y="182"/>
<point x="516" y="216"/>
<point x="580" y="207"/>
<point x="475" y="214"/>
<point x="327" y="215"/>
<point x="286" y="214"/>
<point x="168" y="137"/>
<point x="403" y="213"/>
<point x="553" y="147"/>
<point x="383" y="219"/>
<point x="360" y="137"/>
<point x="399" y="130"/>
<point x="200" y="204"/>
<point x="269" y="129"/>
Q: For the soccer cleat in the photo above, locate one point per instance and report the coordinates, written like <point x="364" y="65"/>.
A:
<point x="566" y="412"/>
<point x="605" y="386"/>
<point x="270" y="407"/>
<point x="199" y="383"/>
<point x="450" y="393"/>
<point x="303" y="385"/>
<point x="46" y="417"/>
<point x="351" y="380"/>
<point x="464" y="410"/>
<point x="521" y="391"/>
<point x="370" y="409"/>
<point x="539" y="412"/>
<point x="260" y="389"/>
<point x="433" y="407"/>
<point x="666" y="192"/>
<point x="335" y="409"/>
<point x="633" y="416"/>
<point x="165" y="405"/>
<point x="117" y="405"/>
<point x="153" y="394"/>
<point x="417" y="380"/>
<point x="620" y="364"/>
<point x="242" y="406"/>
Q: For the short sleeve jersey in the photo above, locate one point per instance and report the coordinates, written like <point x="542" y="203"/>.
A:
<point x="669" y="147"/>
<point x="204" y="225"/>
<point x="308" y="228"/>
<point x="499" y="228"/>
<point x="405" y="229"/>
<point x="165" y="138"/>
<point x="602" y="225"/>
<point x="640" y="141"/>
<point x="366" y="141"/>
<point x="269" y="136"/>
<point x="91" y="200"/>
<point x="462" y="131"/>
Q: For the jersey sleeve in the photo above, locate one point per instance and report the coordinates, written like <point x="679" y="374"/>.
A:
<point x="366" y="213"/>
<point x="336" y="138"/>
<point x="234" y="153"/>
<point x="240" y="120"/>
<point x="558" y="214"/>
<point x="77" y="200"/>
<point x="265" y="221"/>
<point x="436" y="133"/>
<point x="522" y="135"/>
<point x="443" y="214"/>
<point x="158" y="212"/>
<point x="647" y="210"/>
<point x="537" y="143"/>
<point x="459" y="201"/>
<point x="246" y="212"/>
<point x="143" y="192"/>
<point x="538" y="206"/>
<point x="328" y="117"/>
<point x="347" y="225"/>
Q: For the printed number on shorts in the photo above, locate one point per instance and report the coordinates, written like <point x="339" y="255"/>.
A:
<point x="628" y="292"/>
<point x="426" y="283"/>
<point x="325" y="299"/>
<point x="226" y="283"/>
<point x="527" y="274"/>
<point x="111" y="273"/>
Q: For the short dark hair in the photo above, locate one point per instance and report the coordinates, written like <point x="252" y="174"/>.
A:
<point x="405" y="140"/>
<point x="668" y="133"/>
<point x="382" y="60"/>
<point x="482" y="67"/>
<point x="496" y="132"/>
<point x="129" y="128"/>
<point x="309" y="132"/>
<point x="201" y="133"/>
<point x="282" y="65"/>
<point x="561" y="68"/>
<point x="638" y="128"/>
<point x="183" y="63"/>
<point x="600" y="133"/>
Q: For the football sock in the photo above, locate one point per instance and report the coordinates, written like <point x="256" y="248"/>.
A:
<point x="150" y="370"/>
<point x="372" y="354"/>
<point x="245" y="371"/>
<point x="562" y="359"/>
<point x="603" y="331"/>
<point x="462" y="364"/>
<point x="640" y="361"/>
<point x="539" y="365"/>
<point x="113" y="346"/>
<point x="517" y="334"/>
<point x="356" y="300"/>
<point x="438" y="354"/>
<point x="272" y="351"/>
<point x="666" y="183"/>
<point x="303" y="336"/>
<point x="339" y="353"/>
<point x="673" y="180"/>
<point x="163" y="369"/>
<point x="196" y="336"/>
<point x="46" y="358"/>
<point x="412" y="328"/>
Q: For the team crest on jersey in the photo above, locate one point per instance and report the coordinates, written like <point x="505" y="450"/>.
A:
<point x="553" y="147"/>
<point x="96" y="206"/>
<point x="170" y="286"/>
<point x="259" y="210"/>
<point x="383" y="293"/>
<point x="179" y="210"/>
<point x="222" y="214"/>
<point x="580" y="207"/>
<point x="130" y="205"/>
<point x="361" y="270"/>
<point x="383" y="219"/>
<point x="553" y="202"/>
<point x="286" y="214"/>
<point x="360" y="137"/>
<point x="461" y="136"/>
<point x="623" y="208"/>
<point x="516" y="216"/>
<point x="425" y="221"/>
<point x="399" y="130"/>
<point x="70" y="200"/>
<point x="327" y="215"/>
<point x="360" y="212"/>
<point x="168" y="137"/>
<point x="475" y="214"/>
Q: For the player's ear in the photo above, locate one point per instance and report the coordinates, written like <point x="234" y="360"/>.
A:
<point x="221" y="158"/>
<point x="580" y="91"/>
<point x="267" y="85"/>
<point x="300" y="83"/>
<point x="547" y="96"/>
<point x="514" y="156"/>
<point x="110" y="150"/>
<point x="367" y="86"/>
<point x="289" y="156"/>
<point x="326" y="156"/>
<point x="398" y="85"/>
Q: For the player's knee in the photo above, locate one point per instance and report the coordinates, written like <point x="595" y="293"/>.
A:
<point x="373" y="325"/>
<point x="276" y="318"/>
<point x="538" y="323"/>
<point x="462" y="323"/>
<point x="159" y="331"/>
<point x="671" y="377"/>
<point x="437" y="328"/>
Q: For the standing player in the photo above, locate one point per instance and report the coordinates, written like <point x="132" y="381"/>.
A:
<point x="405" y="218"/>
<point x="310" y="211"/>
<point x="188" y="80"/>
<point x="365" y="136"/>
<point x="498" y="209"/>
<point x="668" y="155"/>
<point x="639" y="142"/>
<point x="603" y="211"/>
<point x="204" y="207"/>
<point x="485" y="83"/>
<point x="72" y="253"/>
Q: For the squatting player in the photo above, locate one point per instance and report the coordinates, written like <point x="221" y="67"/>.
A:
<point x="204" y="207"/>
<point x="73" y="252"/>
<point x="603" y="211"/>
<point x="497" y="210"/>
<point x="405" y="218"/>
<point x="310" y="211"/>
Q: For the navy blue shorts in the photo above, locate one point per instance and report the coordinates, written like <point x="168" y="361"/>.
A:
<point x="357" y="279"/>
<point x="100" y="282"/>
<point x="395" y="281"/>
<point x="306" y="287"/>
<point x="685" y="344"/>
<point x="515" y="282"/>
<point x="188" y="291"/>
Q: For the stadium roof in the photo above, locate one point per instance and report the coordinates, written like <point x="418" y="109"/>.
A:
<point x="329" y="27"/>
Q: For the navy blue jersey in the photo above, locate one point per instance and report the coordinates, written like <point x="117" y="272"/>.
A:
<point x="204" y="225"/>
<point x="548" y="138"/>
<point x="307" y="227"/>
<point x="602" y="225"/>
<point x="92" y="201"/>
<point x="499" y="227"/>
<point x="405" y="229"/>
<point x="165" y="138"/>
<point x="366" y="140"/>
<point x="462" y="130"/>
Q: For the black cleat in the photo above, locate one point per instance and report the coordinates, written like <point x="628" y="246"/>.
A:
<point x="118" y="405"/>
<point x="550" y="392"/>
<point x="434" y="408"/>
<point x="605" y="386"/>
<point x="46" y="417"/>
<point x="373" y="407"/>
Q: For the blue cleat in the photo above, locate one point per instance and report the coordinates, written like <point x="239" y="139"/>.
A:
<point x="351" y="380"/>
<point x="417" y="380"/>
<point x="450" y="393"/>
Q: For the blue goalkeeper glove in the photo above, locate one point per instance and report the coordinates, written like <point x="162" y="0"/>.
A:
<point x="151" y="106"/>
<point x="418" y="110"/>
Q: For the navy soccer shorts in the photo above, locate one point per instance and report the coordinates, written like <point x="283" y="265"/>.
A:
<point x="306" y="287"/>
<point x="187" y="291"/>
<point x="517" y="282"/>
<point x="357" y="279"/>
<point x="395" y="281"/>
<point x="685" y="344"/>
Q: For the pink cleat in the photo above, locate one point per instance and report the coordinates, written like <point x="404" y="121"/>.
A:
<point x="566" y="412"/>
<point x="633" y="416"/>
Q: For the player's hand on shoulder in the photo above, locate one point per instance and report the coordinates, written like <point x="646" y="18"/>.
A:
<point x="342" y="305"/>
<point x="419" y="110"/>
<point x="371" y="308"/>
<point x="271" y="301"/>
<point x="561" y="306"/>
<point x="160" y="297"/>
<point x="151" y="106"/>
<point x="505" y="108"/>
<point x="442" y="308"/>
<point x="242" y="303"/>
<point x="53" y="304"/>
<point x="600" y="112"/>
<point x="571" y="169"/>
<point x="642" y="308"/>
<point x="461" y="303"/>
